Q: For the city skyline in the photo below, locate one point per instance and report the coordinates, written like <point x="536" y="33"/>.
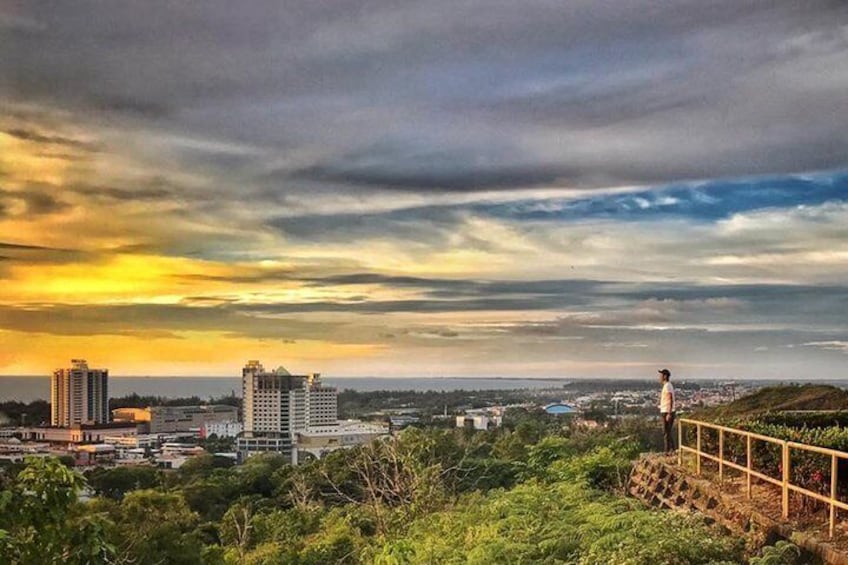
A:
<point x="470" y="188"/>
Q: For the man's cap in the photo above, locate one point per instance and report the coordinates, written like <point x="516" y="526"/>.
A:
<point x="665" y="372"/>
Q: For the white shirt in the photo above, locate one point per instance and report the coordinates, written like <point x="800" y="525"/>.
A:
<point x="667" y="400"/>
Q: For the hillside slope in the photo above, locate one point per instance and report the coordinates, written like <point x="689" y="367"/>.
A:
<point x="780" y="398"/>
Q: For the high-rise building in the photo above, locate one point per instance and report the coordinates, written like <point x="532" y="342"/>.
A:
<point x="321" y="403"/>
<point x="276" y="405"/>
<point x="79" y="395"/>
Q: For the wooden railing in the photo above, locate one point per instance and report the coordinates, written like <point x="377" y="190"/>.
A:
<point x="748" y="470"/>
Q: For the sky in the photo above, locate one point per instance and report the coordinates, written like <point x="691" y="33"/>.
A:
<point x="451" y="187"/>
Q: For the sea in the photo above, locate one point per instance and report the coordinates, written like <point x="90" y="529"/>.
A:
<point x="29" y="388"/>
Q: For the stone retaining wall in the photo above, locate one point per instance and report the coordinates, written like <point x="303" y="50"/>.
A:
<point x="661" y="483"/>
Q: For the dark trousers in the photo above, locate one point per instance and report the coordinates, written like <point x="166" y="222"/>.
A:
<point x="668" y="432"/>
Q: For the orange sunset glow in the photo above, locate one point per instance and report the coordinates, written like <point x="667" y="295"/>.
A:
<point x="356" y="201"/>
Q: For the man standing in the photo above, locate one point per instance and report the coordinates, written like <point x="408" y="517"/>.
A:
<point x="667" y="409"/>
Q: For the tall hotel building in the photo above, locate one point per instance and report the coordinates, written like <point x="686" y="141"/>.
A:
<point x="79" y="395"/>
<point x="276" y="405"/>
<point x="322" y="403"/>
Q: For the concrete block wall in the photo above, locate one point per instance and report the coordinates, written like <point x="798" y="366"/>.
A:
<point x="661" y="483"/>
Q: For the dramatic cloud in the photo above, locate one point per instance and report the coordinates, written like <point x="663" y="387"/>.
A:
<point x="553" y="188"/>
<point x="460" y="95"/>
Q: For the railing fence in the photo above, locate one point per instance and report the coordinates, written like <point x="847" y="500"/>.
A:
<point x="784" y="482"/>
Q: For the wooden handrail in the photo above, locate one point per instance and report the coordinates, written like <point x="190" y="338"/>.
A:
<point x="748" y="470"/>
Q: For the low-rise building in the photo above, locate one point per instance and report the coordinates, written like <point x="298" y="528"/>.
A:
<point x="93" y="454"/>
<point x="174" y="455"/>
<point x="473" y="421"/>
<point x="166" y="419"/>
<point x="559" y="409"/>
<point x="321" y="440"/>
<point x="403" y="420"/>
<point x="14" y="450"/>
<point x="481" y="418"/>
<point x="134" y="456"/>
<point x="221" y="429"/>
<point x="142" y="441"/>
<point x="249" y="445"/>
<point x="78" y="433"/>
<point x="129" y="414"/>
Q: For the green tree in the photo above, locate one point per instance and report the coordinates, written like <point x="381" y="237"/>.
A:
<point x="603" y="468"/>
<point x="545" y="452"/>
<point x="154" y="527"/>
<point x="115" y="483"/>
<point x="338" y="541"/>
<point x="237" y="527"/>
<point x="215" y="444"/>
<point x="560" y="522"/>
<point x="211" y="496"/>
<point x="42" y="521"/>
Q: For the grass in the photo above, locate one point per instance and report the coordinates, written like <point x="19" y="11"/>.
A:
<point x="779" y="398"/>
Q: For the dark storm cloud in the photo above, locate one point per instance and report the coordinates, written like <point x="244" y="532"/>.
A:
<point x="596" y="302"/>
<point x="430" y="225"/>
<point x="456" y="96"/>
<point x="34" y="254"/>
<point x="36" y="202"/>
<point x="393" y="166"/>
<point x="416" y="306"/>
<point x="436" y="288"/>
<point x="617" y="303"/>
<point x="777" y="292"/>
<point x="35" y="137"/>
<point x="42" y="203"/>
<point x="615" y="313"/>
<point x="131" y="107"/>
<point x="261" y="276"/>
<point x="456" y="288"/>
<point x="16" y="246"/>
<point x="424" y="175"/>
<point x="425" y="133"/>
<point x="214" y="315"/>
<point x="612" y="303"/>
<point x="150" y="192"/>
<point x="129" y="319"/>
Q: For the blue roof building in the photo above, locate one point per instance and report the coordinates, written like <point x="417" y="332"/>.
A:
<point x="559" y="408"/>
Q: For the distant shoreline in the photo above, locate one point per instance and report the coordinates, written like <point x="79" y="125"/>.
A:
<point x="479" y="378"/>
<point x="37" y="387"/>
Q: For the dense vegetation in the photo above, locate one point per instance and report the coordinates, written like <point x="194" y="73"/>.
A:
<point x="14" y="413"/>
<point x="535" y="491"/>
<point x="808" y="414"/>
<point x="781" y="398"/>
<point x="135" y="400"/>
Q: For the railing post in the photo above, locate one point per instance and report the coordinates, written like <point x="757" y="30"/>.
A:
<point x="786" y="467"/>
<point x="833" y="471"/>
<point x="785" y="480"/>
<point x="698" y="452"/>
<point x="748" y="464"/>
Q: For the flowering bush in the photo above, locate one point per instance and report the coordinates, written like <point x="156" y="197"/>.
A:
<point x="808" y="470"/>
